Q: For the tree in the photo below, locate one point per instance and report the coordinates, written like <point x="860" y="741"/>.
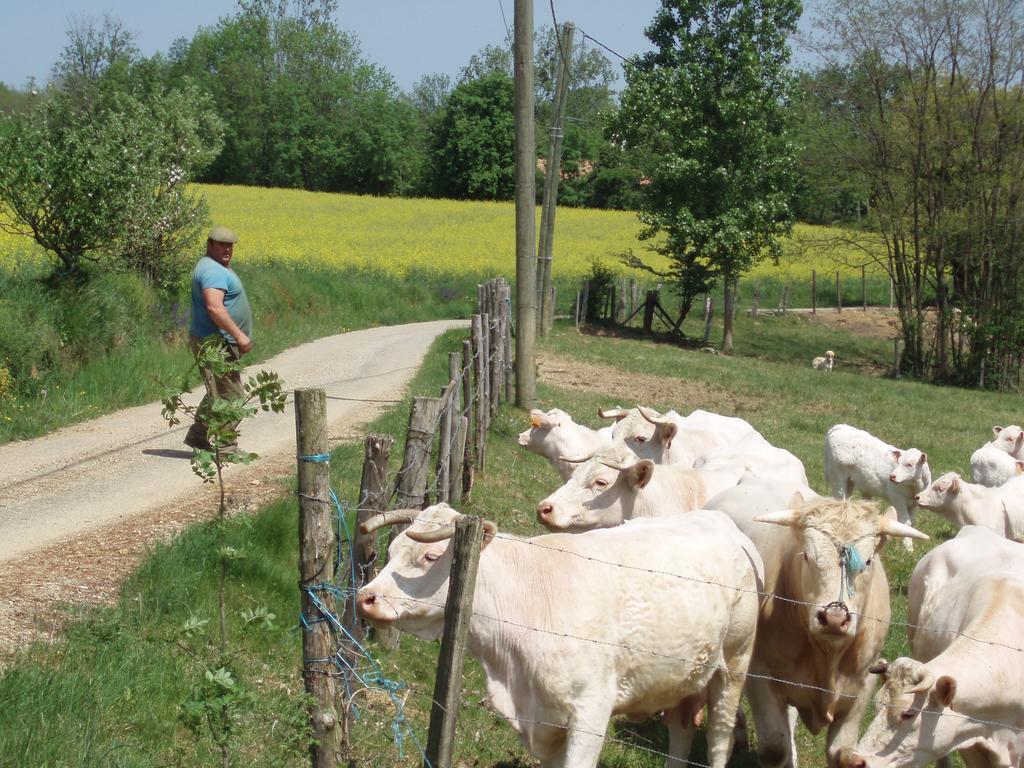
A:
<point x="939" y="90"/>
<point x="474" y="141"/>
<point x="707" y="114"/>
<point x="302" y="107"/>
<point x="98" y="171"/>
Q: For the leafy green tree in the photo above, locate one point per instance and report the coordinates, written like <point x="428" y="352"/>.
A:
<point x="302" y="107"/>
<point x="474" y="141"/>
<point x="98" y="171"/>
<point x="430" y="92"/>
<point x="831" y="186"/>
<point x="707" y="113"/>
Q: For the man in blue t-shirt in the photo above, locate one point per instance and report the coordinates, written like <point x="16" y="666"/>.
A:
<point x="220" y="312"/>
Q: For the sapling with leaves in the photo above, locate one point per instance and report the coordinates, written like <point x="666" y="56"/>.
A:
<point x="214" y="701"/>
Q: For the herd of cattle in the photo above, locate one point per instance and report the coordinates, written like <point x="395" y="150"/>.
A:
<point x="690" y="562"/>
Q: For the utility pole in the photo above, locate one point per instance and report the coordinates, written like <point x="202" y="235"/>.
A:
<point x="526" y="209"/>
<point x="552" y="175"/>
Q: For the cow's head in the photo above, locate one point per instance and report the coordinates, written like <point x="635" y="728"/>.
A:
<point x="909" y="728"/>
<point x="940" y="493"/>
<point x="1009" y="439"/>
<point x="600" y="493"/>
<point x="647" y="433"/>
<point x="832" y="560"/>
<point x="911" y="470"/>
<point x="541" y="426"/>
<point x="410" y="593"/>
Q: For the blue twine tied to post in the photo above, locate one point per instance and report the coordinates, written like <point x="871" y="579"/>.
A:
<point x="374" y="678"/>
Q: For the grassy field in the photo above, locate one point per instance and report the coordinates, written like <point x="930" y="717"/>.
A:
<point x="111" y="692"/>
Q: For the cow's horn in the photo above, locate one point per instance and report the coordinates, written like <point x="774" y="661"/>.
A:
<point x="612" y="413"/>
<point x="656" y="421"/>
<point x="925" y="680"/>
<point x="578" y="460"/>
<point x="446" y="531"/>
<point x="616" y="467"/>
<point x="785" y="517"/>
<point x="895" y="528"/>
<point x="442" y="532"/>
<point x="388" y="518"/>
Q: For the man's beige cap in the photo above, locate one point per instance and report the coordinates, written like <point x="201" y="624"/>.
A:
<point x="222" y="235"/>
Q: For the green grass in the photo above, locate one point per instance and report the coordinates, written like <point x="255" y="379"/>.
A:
<point x="109" y="693"/>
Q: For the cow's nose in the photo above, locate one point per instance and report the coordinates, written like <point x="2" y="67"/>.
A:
<point x="917" y="498"/>
<point x="834" y="617"/>
<point x="892" y="478"/>
<point x="545" y="510"/>
<point x="847" y="759"/>
<point x="365" y="605"/>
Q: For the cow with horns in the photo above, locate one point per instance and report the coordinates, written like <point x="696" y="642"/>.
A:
<point x="826" y="613"/>
<point x="668" y="623"/>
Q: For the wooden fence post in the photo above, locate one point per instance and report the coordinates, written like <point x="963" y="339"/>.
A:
<point x="456" y="482"/>
<point x="864" y="287"/>
<point x="505" y="298"/>
<point x="414" y="475"/>
<point x="709" y="312"/>
<point x="496" y="368"/>
<point x="458" y="611"/>
<point x="814" y="292"/>
<point x="372" y="499"/>
<point x="446" y="427"/>
<point x="317" y="551"/>
<point x="839" y="294"/>
<point x="469" y="458"/>
<point x="479" y="394"/>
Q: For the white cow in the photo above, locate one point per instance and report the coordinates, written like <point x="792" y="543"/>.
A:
<point x="825" y="617"/>
<point x="857" y="460"/>
<point x="1009" y="439"/>
<point x="668" y="438"/>
<point x="999" y="509"/>
<point x="674" y="615"/>
<point x="614" y="485"/>
<point x="825" y="362"/>
<point x="555" y="436"/>
<point x="962" y="689"/>
<point x="992" y="466"/>
<point x="767" y="462"/>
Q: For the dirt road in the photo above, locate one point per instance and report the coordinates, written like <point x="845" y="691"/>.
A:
<point x="79" y="507"/>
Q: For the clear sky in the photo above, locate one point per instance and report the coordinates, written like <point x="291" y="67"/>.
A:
<point x="409" y="38"/>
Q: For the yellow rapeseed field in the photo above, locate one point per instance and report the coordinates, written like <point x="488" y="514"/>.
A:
<point x="401" y="235"/>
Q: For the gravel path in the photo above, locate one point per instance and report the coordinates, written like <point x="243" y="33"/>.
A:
<point x="80" y="507"/>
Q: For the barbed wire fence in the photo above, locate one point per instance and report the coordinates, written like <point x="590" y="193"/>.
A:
<point x="445" y="447"/>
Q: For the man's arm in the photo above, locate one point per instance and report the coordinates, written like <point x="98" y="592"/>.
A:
<point x="214" y="298"/>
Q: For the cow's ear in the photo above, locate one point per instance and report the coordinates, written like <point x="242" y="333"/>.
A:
<point x="996" y="430"/>
<point x="954" y="485"/>
<point x="796" y="500"/>
<point x="896" y="453"/>
<point x="944" y="691"/>
<point x="923" y="459"/>
<point x="640" y="473"/>
<point x="668" y="432"/>
<point x="1020" y="467"/>
<point x="490" y="531"/>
